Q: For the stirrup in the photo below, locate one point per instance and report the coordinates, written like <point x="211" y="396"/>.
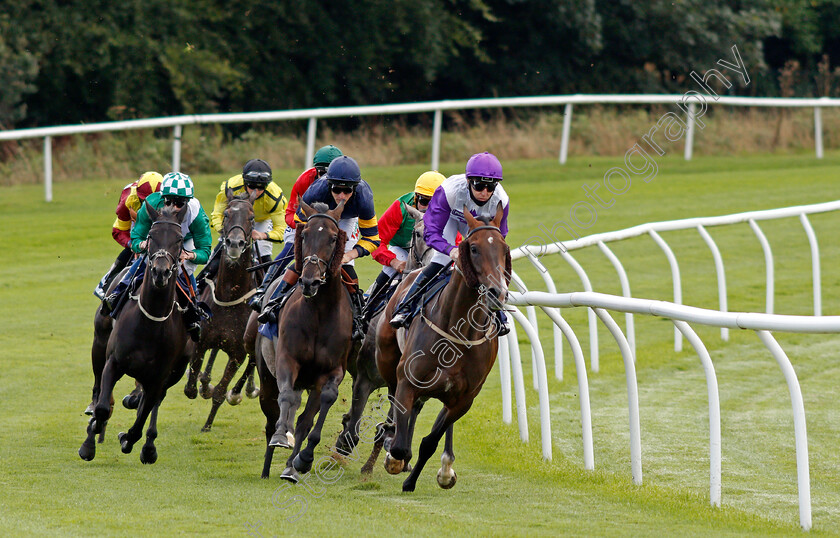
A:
<point x="194" y="331"/>
<point x="399" y="320"/>
<point x="254" y="302"/>
<point x="108" y="304"/>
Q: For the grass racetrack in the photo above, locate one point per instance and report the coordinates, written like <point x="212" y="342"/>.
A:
<point x="54" y="254"/>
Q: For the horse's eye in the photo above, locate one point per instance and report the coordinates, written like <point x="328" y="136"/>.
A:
<point x="333" y="239"/>
<point x="473" y="249"/>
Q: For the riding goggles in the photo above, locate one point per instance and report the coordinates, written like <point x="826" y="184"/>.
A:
<point x="177" y="201"/>
<point x="255" y="185"/>
<point x="340" y="188"/>
<point x="320" y="170"/>
<point x="422" y="200"/>
<point x="483" y="183"/>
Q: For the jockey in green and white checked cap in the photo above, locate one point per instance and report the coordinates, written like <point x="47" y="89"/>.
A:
<point x="177" y="184"/>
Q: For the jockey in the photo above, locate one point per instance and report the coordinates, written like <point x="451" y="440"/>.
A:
<point x="479" y="190"/>
<point x="131" y="198"/>
<point x="177" y="189"/>
<point x="268" y="210"/>
<point x="396" y="227"/>
<point x="322" y="159"/>
<point x="342" y="182"/>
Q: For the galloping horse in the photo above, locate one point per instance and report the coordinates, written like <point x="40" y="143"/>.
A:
<point x="226" y="298"/>
<point x="435" y="363"/>
<point x="366" y="378"/>
<point x="313" y="342"/>
<point x="148" y="340"/>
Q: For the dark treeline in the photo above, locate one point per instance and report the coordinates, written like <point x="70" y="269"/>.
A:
<point x="70" y="61"/>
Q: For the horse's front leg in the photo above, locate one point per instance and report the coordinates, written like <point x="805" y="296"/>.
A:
<point x="148" y="454"/>
<point x="220" y="389"/>
<point x="446" y="476"/>
<point x="403" y="407"/>
<point x="304" y="425"/>
<point x="102" y="409"/>
<point x="329" y="394"/>
<point x="150" y="400"/>
<point x="349" y="437"/>
<point x="429" y="444"/>
<point x="190" y="389"/>
<point x="206" y="389"/>
<point x="286" y="372"/>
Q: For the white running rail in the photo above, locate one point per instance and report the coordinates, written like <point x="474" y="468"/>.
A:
<point x="681" y="316"/>
<point x="436" y="107"/>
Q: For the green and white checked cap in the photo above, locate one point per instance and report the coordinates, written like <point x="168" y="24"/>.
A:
<point x="177" y="184"/>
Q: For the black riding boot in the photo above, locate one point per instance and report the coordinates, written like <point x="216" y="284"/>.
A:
<point x="192" y="321"/>
<point x="278" y="298"/>
<point x="209" y="270"/>
<point x="402" y="315"/>
<point x="122" y="260"/>
<point x="377" y="293"/>
<point x="272" y="273"/>
<point x="501" y="323"/>
<point x="357" y="303"/>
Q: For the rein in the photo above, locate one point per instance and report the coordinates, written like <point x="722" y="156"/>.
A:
<point x="176" y="264"/>
<point x="228" y="303"/>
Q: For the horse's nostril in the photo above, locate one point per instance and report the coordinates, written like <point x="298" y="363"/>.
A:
<point x="242" y="244"/>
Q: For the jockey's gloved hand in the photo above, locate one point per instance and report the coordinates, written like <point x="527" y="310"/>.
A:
<point x="454" y="254"/>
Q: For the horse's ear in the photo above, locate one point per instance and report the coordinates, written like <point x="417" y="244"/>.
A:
<point x="229" y="193"/>
<point x="336" y="213"/>
<point x="416" y="214"/>
<point x="153" y="213"/>
<point x="307" y="209"/>
<point x="472" y="222"/>
<point x="253" y="196"/>
<point x="500" y="212"/>
<point x="180" y="214"/>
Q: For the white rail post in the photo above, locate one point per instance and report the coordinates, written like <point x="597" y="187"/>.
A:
<point x="815" y="263"/>
<point x="675" y="274"/>
<point x="176" y="148"/>
<point x="714" y="409"/>
<point x="625" y="291"/>
<point x="436" y="128"/>
<point x="558" y="335"/>
<point x="818" y="141"/>
<point x="632" y="395"/>
<point x="567" y="126"/>
<point x="48" y="169"/>
<point x="311" y="129"/>
<point x="593" y="325"/>
<point x="518" y="383"/>
<point x="799" y="430"/>
<point x="689" y="136"/>
<point x="504" y="372"/>
<point x="721" y="275"/>
<point x="545" y="412"/>
<point x="768" y="262"/>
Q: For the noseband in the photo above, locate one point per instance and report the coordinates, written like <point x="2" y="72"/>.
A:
<point x="322" y="278"/>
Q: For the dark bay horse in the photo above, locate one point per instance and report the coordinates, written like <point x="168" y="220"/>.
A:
<point x="312" y="346"/>
<point x="148" y="340"/>
<point x="226" y="296"/>
<point x="448" y="349"/>
<point x="366" y="378"/>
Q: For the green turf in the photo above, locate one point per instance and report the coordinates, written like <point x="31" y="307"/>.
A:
<point x="53" y="255"/>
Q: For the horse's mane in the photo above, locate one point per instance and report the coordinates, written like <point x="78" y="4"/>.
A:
<point x="338" y="253"/>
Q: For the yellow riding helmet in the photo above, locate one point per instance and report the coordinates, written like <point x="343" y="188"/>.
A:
<point x="153" y="179"/>
<point x="428" y="182"/>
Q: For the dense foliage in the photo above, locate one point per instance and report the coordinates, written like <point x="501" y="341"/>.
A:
<point x="68" y="61"/>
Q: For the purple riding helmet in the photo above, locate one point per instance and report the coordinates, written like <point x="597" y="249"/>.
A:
<point x="484" y="165"/>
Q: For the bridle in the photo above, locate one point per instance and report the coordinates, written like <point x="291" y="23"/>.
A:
<point x="248" y="238"/>
<point x="314" y="258"/>
<point x="416" y="256"/>
<point x="485" y="227"/>
<point x="174" y="265"/>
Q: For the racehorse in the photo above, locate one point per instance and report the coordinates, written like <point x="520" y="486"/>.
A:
<point x="312" y="345"/>
<point x="435" y="363"/>
<point x="148" y="340"/>
<point x="227" y="298"/>
<point x="366" y="378"/>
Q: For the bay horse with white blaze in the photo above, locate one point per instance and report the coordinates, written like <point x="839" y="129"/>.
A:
<point x="148" y="341"/>
<point x="226" y="296"/>
<point x="448" y="350"/>
<point x="313" y="342"/>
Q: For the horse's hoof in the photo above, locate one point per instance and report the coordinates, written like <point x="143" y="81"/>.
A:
<point x="205" y="428"/>
<point x="392" y="465"/>
<point x="122" y="437"/>
<point x="408" y="486"/>
<point x="131" y="401"/>
<point x="207" y="391"/>
<point x="253" y="393"/>
<point x="279" y="440"/>
<point x="190" y="391"/>
<point x="233" y="399"/>
<point x="447" y="480"/>
<point x="300" y="465"/>
<point x="89" y="409"/>
<point x="87" y="452"/>
<point x="148" y="455"/>
<point x="290" y="475"/>
<point x="407" y="468"/>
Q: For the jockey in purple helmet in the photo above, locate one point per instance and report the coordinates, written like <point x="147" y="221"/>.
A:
<point x="479" y="190"/>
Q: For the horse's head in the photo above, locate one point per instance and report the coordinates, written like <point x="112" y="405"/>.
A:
<point x="164" y="243"/>
<point x="419" y="254"/>
<point x="319" y="246"/>
<point x="484" y="258"/>
<point x="238" y="223"/>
